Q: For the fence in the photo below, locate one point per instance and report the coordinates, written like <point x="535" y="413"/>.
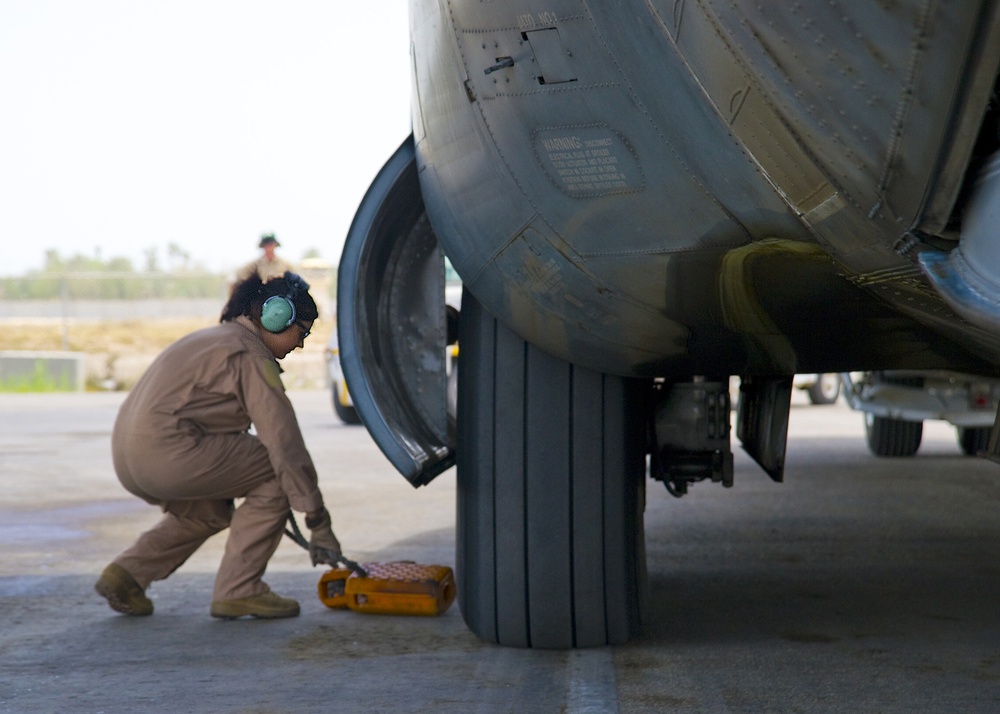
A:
<point x="74" y="312"/>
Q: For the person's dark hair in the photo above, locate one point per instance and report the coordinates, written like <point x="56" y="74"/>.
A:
<point x="247" y="298"/>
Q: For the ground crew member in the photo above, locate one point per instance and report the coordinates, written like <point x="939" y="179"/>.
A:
<point x="269" y="265"/>
<point x="181" y="442"/>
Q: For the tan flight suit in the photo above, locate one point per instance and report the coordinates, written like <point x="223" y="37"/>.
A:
<point x="266" y="269"/>
<point x="181" y="442"/>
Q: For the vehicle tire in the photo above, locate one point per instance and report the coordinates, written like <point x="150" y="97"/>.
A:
<point x="973" y="439"/>
<point x="825" y="389"/>
<point x="551" y="493"/>
<point x="346" y="413"/>
<point x="893" y="437"/>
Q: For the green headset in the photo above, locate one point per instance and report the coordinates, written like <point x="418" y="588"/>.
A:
<point x="278" y="312"/>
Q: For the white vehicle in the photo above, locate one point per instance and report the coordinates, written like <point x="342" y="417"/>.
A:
<point x="897" y="403"/>
<point x="821" y="388"/>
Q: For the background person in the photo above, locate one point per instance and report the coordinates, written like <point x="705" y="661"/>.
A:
<point x="269" y="265"/>
<point x="181" y="442"/>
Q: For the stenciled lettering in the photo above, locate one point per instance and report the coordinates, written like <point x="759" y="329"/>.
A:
<point x="562" y="143"/>
<point x="538" y="20"/>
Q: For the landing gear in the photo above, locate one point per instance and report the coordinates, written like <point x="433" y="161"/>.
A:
<point x="551" y="492"/>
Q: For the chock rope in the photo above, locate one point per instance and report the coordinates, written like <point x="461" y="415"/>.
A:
<point x="295" y="533"/>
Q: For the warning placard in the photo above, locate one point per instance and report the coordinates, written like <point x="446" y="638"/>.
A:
<point x="587" y="160"/>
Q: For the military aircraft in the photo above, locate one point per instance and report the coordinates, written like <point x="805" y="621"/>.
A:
<point x="644" y="198"/>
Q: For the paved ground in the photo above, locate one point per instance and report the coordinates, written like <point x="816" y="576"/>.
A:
<point x="859" y="585"/>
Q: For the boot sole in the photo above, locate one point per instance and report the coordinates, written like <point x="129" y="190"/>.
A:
<point x="107" y="591"/>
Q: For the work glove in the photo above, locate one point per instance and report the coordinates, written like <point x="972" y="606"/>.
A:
<point x="323" y="544"/>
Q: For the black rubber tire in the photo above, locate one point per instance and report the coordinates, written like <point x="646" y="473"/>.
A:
<point x="973" y="439"/>
<point x="892" y="437"/>
<point x="347" y="414"/>
<point x="551" y="493"/>
<point x="825" y="390"/>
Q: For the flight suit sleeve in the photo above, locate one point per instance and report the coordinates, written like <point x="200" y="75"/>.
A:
<point x="278" y="430"/>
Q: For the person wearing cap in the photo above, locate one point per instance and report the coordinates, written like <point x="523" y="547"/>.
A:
<point x="182" y="441"/>
<point x="269" y="265"/>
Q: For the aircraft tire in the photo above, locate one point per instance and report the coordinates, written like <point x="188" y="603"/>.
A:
<point x="892" y="437"/>
<point x="551" y="493"/>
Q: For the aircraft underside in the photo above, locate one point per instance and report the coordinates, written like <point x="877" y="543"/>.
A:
<point x="643" y="199"/>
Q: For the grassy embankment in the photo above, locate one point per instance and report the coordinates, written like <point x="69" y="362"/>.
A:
<point x="118" y="352"/>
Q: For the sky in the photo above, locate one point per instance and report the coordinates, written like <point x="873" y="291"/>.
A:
<point x="132" y="125"/>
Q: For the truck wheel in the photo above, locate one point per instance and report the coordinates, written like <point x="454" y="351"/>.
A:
<point x="825" y="389"/>
<point x="345" y="412"/>
<point x="551" y="492"/>
<point x="893" y="437"/>
<point x="973" y="439"/>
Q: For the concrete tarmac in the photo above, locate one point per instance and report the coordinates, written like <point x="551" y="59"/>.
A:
<point x="858" y="585"/>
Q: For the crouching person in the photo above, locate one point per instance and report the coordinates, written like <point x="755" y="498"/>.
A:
<point x="181" y="441"/>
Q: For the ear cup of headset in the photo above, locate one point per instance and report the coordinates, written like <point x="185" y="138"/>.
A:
<point x="277" y="313"/>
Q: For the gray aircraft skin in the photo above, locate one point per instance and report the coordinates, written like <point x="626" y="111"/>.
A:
<point x="644" y="198"/>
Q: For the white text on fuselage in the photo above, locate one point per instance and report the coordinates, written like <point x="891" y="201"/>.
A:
<point x="584" y="164"/>
<point x="540" y="19"/>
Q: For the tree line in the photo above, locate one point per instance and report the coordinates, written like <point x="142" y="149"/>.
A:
<point x="80" y="277"/>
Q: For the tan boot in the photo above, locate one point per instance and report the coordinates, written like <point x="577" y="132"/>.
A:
<point x="266" y="605"/>
<point x="123" y="593"/>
